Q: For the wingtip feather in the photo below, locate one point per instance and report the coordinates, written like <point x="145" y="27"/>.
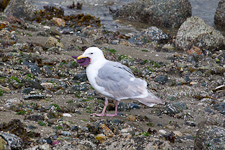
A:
<point x="151" y="100"/>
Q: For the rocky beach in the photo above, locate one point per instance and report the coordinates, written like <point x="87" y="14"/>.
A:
<point x="46" y="99"/>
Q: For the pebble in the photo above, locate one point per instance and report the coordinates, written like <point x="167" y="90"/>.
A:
<point x="53" y="42"/>
<point x="100" y="137"/>
<point x="80" y="77"/>
<point x="78" y="87"/>
<point x="163" y="132"/>
<point x="66" y="133"/>
<point x="115" y="42"/>
<point x="177" y="133"/>
<point x="134" y="106"/>
<point x="161" y="79"/>
<point x="46" y="27"/>
<point x="74" y="128"/>
<point x="126" y="130"/>
<point x="31" y="127"/>
<point x="59" y="22"/>
<point x="181" y="105"/>
<point x="189" y="123"/>
<point x="27" y="97"/>
<point x="67" y="115"/>
<point x="107" y="131"/>
<point x="131" y="118"/>
<point x="171" y="110"/>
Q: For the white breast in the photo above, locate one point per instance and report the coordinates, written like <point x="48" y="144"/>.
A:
<point x="92" y="72"/>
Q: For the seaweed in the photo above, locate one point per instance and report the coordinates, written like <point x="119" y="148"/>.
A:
<point x="72" y="20"/>
<point x="3" y="4"/>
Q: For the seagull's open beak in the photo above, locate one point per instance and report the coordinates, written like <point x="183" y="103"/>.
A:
<point x="81" y="56"/>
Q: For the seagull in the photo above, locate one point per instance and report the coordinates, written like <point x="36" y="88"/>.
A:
<point x="114" y="80"/>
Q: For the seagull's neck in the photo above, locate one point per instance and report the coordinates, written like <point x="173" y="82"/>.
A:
<point x="97" y="64"/>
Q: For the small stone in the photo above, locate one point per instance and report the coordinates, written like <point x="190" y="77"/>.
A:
<point x="187" y="79"/>
<point x="5" y="89"/>
<point x="59" y="92"/>
<point x="134" y="106"/>
<point x="194" y="49"/>
<point x="159" y="125"/>
<point x="54" y="32"/>
<point x="46" y="27"/>
<point x="116" y="121"/>
<point x="36" y="96"/>
<point x="131" y="118"/>
<point x="78" y="87"/>
<point x="59" y="22"/>
<point x="171" y="109"/>
<point x="193" y="83"/>
<point x="100" y="137"/>
<point x="67" y="115"/>
<point x="52" y="121"/>
<point x="168" y="48"/>
<point x="181" y="105"/>
<point x="163" y="132"/>
<point x="53" y="42"/>
<point x="126" y="130"/>
<point x="74" y="128"/>
<point x="47" y="71"/>
<point x="85" y="129"/>
<point x="80" y="77"/>
<point x="115" y="42"/>
<point x="45" y="146"/>
<point x="161" y="79"/>
<point x="55" y="143"/>
<point x="47" y="85"/>
<point x="27" y="90"/>
<point x="31" y="127"/>
<point x="192" y="58"/>
<point x="34" y="117"/>
<point x="177" y="133"/>
<point x="66" y="133"/>
<point x="189" y="123"/>
<point x="35" y="69"/>
<point x="107" y="131"/>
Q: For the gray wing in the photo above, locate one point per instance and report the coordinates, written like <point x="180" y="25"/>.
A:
<point x="119" y="81"/>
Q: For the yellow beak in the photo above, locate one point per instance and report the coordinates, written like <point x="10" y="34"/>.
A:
<point x="81" y="56"/>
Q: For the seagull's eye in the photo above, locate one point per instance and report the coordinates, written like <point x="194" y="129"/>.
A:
<point x="91" y="53"/>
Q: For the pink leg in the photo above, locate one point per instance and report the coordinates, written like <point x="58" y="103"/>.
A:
<point x="103" y="111"/>
<point x="116" y="107"/>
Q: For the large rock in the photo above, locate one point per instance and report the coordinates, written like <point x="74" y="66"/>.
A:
<point x="10" y="141"/>
<point x="166" y="13"/>
<point x="142" y="143"/>
<point x="219" y="18"/>
<point x="194" y="32"/>
<point x="210" y="137"/>
<point x="21" y="9"/>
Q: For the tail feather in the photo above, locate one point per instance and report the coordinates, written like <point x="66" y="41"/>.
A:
<point x="150" y="100"/>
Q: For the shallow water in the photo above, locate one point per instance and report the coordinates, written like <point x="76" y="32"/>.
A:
<point x="204" y="9"/>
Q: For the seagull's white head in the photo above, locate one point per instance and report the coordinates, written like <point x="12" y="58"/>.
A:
<point x="93" y="54"/>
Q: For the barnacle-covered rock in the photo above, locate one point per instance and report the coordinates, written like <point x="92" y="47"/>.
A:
<point x="170" y="13"/>
<point x="194" y="32"/>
